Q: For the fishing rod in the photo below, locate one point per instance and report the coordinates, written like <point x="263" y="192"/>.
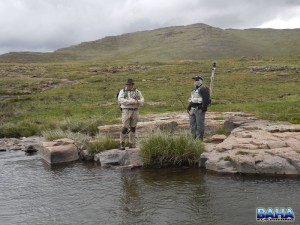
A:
<point x="182" y="103"/>
<point x="210" y="86"/>
<point x="213" y="70"/>
<point x="178" y="97"/>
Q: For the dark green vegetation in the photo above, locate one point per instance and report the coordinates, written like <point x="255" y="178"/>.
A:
<point x="162" y="149"/>
<point x="79" y="96"/>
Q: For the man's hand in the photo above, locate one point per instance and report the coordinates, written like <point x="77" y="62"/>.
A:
<point x="134" y="102"/>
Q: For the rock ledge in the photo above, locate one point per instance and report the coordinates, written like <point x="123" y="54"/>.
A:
<point x="256" y="147"/>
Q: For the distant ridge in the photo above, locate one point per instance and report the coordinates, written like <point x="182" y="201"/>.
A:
<point x="191" y="42"/>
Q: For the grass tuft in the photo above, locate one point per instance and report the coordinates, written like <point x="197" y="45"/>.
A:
<point x="102" y="143"/>
<point x="80" y="139"/>
<point x="89" y="126"/>
<point x="83" y="141"/>
<point x="165" y="149"/>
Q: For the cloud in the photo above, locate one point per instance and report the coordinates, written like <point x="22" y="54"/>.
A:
<point x="286" y="20"/>
<point x="39" y="25"/>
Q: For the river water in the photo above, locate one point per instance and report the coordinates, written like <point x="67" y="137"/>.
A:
<point x="31" y="192"/>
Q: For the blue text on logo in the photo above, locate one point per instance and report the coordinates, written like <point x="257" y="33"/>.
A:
<point x="275" y="214"/>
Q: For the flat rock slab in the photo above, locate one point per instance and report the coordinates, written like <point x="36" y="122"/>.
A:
<point x="256" y="147"/>
<point x="166" y="121"/>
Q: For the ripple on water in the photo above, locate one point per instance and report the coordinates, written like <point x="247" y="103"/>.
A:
<point x="80" y="193"/>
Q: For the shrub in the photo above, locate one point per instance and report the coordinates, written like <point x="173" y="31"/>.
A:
<point x="165" y="149"/>
<point x="89" y="126"/>
<point x="21" y="129"/>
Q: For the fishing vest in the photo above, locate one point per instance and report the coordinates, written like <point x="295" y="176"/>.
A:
<point x="134" y="93"/>
<point x="195" y="96"/>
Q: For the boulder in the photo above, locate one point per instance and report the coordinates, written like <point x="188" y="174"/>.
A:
<point x="31" y="149"/>
<point x="59" y="151"/>
<point x="113" y="157"/>
<point x="116" y="157"/>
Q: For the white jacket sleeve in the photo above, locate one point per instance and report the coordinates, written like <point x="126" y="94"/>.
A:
<point x="121" y="98"/>
<point x="141" y="98"/>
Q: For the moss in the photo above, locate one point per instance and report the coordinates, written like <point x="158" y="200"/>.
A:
<point x="253" y="154"/>
<point x="227" y="158"/>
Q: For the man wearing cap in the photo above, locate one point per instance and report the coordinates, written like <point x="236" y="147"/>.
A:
<point x="198" y="103"/>
<point x="130" y="100"/>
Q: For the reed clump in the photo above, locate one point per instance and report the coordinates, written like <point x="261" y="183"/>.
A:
<point x="170" y="149"/>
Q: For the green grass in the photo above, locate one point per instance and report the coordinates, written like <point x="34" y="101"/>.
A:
<point x="220" y="130"/>
<point x="80" y="99"/>
<point x="227" y="158"/>
<point x="102" y="143"/>
<point x="192" y="42"/>
<point x="165" y="149"/>
<point x="19" y="129"/>
<point x="246" y="153"/>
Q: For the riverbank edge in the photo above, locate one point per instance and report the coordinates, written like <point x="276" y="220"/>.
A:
<point x="252" y="147"/>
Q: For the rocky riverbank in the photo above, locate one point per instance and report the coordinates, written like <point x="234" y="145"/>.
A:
<point x="252" y="147"/>
<point x="255" y="147"/>
<point x="26" y="144"/>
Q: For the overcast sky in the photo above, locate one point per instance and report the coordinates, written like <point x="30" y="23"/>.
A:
<point x="46" y="25"/>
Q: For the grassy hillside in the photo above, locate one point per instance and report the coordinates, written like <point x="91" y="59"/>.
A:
<point x="74" y="88"/>
<point x="193" y="42"/>
<point x="79" y="96"/>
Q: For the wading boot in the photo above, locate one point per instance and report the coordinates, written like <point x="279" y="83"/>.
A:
<point x="201" y="138"/>
<point x="132" y="146"/>
<point x="122" y="146"/>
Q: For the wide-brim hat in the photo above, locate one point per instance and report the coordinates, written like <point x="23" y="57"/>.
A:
<point x="130" y="81"/>
<point x="197" y="78"/>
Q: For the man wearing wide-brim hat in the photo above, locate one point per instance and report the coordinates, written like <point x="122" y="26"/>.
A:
<point x="130" y="100"/>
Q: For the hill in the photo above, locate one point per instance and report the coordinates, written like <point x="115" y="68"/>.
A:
<point x="192" y="42"/>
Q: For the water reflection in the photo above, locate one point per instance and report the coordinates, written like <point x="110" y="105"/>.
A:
<point x="165" y="195"/>
<point x="58" y="168"/>
<point x="132" y="200"/>
<point x="34" y="193"/>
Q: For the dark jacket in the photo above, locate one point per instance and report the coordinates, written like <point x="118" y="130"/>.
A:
<point x="204" y="92"/>
<point x="205" y="95"/>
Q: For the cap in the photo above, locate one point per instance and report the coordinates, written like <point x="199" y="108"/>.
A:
<point x="130" y="81"/>
<point x="197" y="78"/>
